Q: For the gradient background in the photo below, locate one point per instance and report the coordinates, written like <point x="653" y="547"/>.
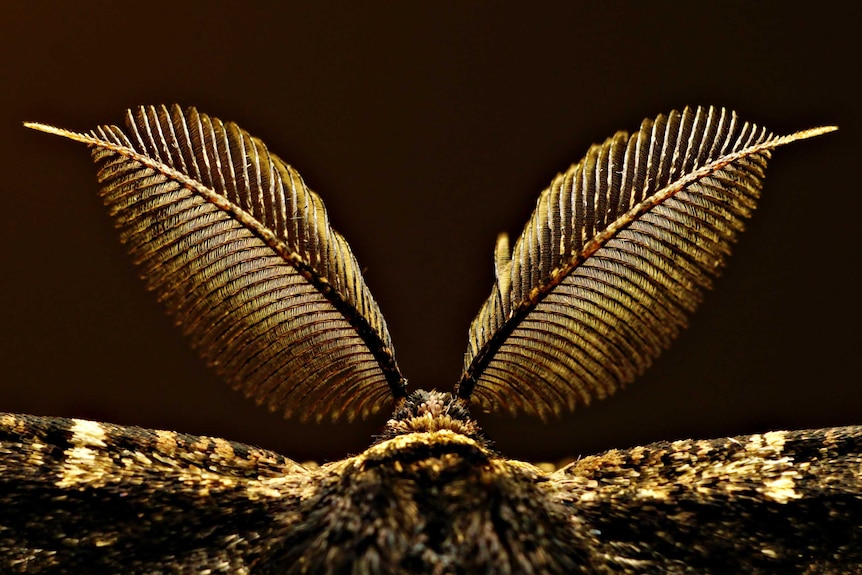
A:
<point x="427" y="131"/>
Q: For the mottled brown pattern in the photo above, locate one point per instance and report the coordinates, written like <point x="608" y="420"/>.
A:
<point x="780" y="502"/>
<point x="429" y="501"/>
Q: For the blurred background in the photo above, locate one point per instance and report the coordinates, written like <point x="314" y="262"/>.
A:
<point x="428" y="129"/>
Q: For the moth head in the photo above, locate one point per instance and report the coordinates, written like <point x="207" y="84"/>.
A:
<point x="430" y="411"/>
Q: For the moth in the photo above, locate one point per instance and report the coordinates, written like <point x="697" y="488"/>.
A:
<point x="612" y="262"/>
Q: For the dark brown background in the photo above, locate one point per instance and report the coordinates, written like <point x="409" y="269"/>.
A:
<point x="427" y="131"/>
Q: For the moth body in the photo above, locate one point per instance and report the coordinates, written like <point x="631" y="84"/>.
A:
<point x="431" y="496"/>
